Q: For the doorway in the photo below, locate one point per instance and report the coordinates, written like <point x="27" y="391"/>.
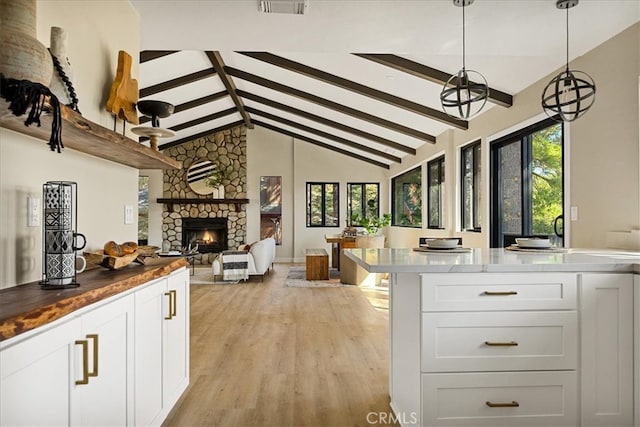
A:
<point x="527" y="184"/>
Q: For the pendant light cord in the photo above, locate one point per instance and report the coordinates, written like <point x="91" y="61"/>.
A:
<point x="567" y="26"/>
<point x="463" y="38"/>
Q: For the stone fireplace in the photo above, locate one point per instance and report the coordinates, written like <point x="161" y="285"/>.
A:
<point x="210" y="234"/>
<point x="226" y="149"/>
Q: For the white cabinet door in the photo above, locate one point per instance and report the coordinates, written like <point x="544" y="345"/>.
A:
<point x="107" y="335"/>
<point x="175" y="372"/>
<point x="607" y="349"/>
<point x="149" y="313"/>
<point x="36" y="378"/>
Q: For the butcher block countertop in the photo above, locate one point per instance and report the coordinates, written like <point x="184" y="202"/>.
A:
<point x="26" y="307"/>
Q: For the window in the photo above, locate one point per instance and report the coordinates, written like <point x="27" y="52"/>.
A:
<point x="470" y="191"/>
<point x="527" y="184"/>
<point x="271" y="208"/>
<point x="406" y="205"/>
<point x="363" y="200"/>
<point x="322" y="204"/>
<point x="435" y="201"/>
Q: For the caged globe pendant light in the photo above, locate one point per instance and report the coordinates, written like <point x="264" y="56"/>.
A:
<point x="465" y="93"/>
<point x="571" y="93"/>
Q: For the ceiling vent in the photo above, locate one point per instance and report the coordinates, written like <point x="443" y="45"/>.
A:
<point x="294" y="7"/>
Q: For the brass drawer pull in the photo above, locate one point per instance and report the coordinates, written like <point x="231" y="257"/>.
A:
<point x="500" y="344"/>
<point x="512" y="404"/>
<point x="94" y="337"/>
<point x="174" y="298"/>
<point x="85" y="362"/>
<point x="170" y="295"/>
<point x="498" y="293"/>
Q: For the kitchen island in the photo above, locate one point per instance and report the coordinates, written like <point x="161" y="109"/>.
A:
<point x="497" y="337"/>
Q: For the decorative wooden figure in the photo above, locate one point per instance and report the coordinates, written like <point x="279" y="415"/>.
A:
<point x="124" y="91"/>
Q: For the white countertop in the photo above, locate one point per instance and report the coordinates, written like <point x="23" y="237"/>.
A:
<point x="406" y="260"/>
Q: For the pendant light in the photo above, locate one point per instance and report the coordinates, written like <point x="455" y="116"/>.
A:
<point x="465" y="93"/>
<point x="571" y="93"/>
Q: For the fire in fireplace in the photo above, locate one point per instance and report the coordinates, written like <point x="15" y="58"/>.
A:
<point x="210" y="234"/>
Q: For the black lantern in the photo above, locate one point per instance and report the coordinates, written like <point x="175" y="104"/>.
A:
<point x="571" y="93"/>
<point x="465" y="93"/>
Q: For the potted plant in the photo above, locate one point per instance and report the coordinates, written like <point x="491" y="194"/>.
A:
<point x="214" y="180"/>
<point x="372" y="224"/>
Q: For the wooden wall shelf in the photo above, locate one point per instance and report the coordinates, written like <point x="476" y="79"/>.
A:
<point x="196" y="201"/>
<point x="83" y="135"/>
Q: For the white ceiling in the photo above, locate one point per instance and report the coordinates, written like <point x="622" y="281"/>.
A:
<point x="513" y="43"/>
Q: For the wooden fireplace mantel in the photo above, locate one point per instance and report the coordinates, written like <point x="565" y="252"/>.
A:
<point x="196" y="201"/>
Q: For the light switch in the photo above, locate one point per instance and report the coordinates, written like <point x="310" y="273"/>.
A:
<point x="574" y="213"/>
<point x="33" y="211"/>
<point x="128" y="214"/>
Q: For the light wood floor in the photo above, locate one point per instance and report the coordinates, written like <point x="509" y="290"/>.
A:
<point x="266" y="355"/>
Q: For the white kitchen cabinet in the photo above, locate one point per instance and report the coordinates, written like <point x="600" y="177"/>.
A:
<point x="559" y="345"/>
<point x="122" y="361"/>
<point x="607" y="349"/>
<point x="162" y="347"/>
<point x="72" y="373"/>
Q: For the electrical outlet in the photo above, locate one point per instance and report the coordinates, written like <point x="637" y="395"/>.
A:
<point x="33" y="212"/>
<point x="574" y="213"/>
<point x="128" y="214"/>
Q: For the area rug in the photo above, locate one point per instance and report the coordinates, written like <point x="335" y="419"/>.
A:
<point x="296" y="279"/>
<point x="204" y="276"/>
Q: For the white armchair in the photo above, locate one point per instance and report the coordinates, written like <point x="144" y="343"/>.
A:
<point x="260" y="257"/>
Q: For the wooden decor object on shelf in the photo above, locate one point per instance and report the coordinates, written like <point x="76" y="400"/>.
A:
<point x="124" y="91"/>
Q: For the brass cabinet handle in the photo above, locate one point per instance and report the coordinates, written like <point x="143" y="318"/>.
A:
<point x="174" y="299"/>
<point x="85" y="362"/>
<point x="498" y="293"/>
<point x="501" y="344"/>
<point x="94" y="337"/>
<point x="512" y="404"/>
<point x="170" y="295"/>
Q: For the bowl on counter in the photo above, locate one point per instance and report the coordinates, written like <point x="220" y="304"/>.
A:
<point x="442" y="243"/>
<point x="533" y="243"/>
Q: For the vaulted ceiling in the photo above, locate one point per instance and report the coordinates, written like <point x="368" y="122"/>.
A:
<point x="318" y="78"/>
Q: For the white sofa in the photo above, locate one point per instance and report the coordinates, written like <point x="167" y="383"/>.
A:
<point x="260" y="257"/>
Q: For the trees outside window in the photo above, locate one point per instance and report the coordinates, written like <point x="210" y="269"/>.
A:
<point x="406" y="204"/>
<point x="323" y="204"/>
<point x="363" y="200"/>
<point x="470" y="213"/>
<point x="435" y="202"/>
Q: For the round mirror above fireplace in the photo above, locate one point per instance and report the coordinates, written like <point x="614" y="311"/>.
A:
<point x="198" y="176"/>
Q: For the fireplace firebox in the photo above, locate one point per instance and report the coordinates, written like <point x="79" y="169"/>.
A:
<point x="210" y="234"/>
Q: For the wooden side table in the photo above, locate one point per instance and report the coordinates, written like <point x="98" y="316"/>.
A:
<point x="317" y="264"/>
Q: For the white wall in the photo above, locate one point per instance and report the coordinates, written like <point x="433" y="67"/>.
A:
<point x="270" y="153"/>
<point x="604" y="177"/>
<point x="26" y="163"/>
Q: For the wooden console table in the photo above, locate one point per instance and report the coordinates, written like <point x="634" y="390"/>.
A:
<point x="339" y="242"/>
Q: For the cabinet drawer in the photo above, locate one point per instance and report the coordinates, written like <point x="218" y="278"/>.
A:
<point x="499" y="291"/>
<point x="542" y="399"/>
<point x="499" y="341"/>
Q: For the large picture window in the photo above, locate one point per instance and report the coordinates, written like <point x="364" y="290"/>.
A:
<point x="363" y="200"/>
<point x="406" y="205"/>
<point x="323" y="204"/>
<point x="470" y="191"/>
<point x="435" y="201"/>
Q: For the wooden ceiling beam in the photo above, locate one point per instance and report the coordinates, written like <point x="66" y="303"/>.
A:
<point x="177" y="82"/>
<point x="192" y="104"/>
<point x="319" y="144"/>
<point x="150" y="55"/>
<point x="323" y="134"/>
<point x="200" y="135"/>
<point x="386" y="142"/>
<point x="431" y="74"/>
<point x="358" y="88"/>
<point x="218" y="64"/>
<point x="330" y="104"/>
